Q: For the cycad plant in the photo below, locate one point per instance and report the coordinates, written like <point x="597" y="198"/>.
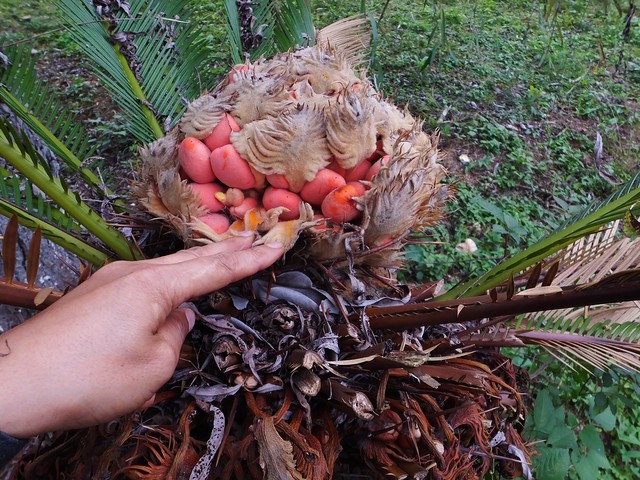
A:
<point x="325" y="366"/>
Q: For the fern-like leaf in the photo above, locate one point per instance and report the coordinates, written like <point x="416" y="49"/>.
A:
<point x="29" y="100"/>
<point x="18" y="151"/>
<point x="146" y="57"/>
<point x="612" y="209"/>
<point x="263" y="27"/>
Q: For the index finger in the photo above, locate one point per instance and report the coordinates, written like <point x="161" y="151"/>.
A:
<point x="199" y="276"/>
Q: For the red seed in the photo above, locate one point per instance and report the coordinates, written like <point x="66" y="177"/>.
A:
<point x="247" y="204"/>
<point x="220" y="135"/>
<point x="324" y="182"/>
<point x="358" y="172"/>
<point x="375" y="168"/>
<point x="339" y="205"/>
<point x="279" y="197"/>
<point x="206" y="192"/>
<point x="231" y="169"/>
<point x="194" y="160"/>
<point x="337" y="168"/>
<point x="278" y="180"/>
<point x="218" y="222"/>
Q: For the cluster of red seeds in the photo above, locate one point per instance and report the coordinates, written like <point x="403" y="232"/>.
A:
<point x="228" y="186"/>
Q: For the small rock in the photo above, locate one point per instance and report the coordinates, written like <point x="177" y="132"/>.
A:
<point x="468" y="246"/>
<point x="464" y="159"/>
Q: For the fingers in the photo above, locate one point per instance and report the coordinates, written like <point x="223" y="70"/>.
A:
<point x="206" y="274"/>
<point x="241" y="242"/>
<point x="116" y="270"/>
<point x="175" y="329"/>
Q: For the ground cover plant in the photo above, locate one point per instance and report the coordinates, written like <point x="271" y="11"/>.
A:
<point x="520" y="139"/>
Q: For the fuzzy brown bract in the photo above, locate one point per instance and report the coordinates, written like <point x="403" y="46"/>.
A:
<point x="299" y="113"/>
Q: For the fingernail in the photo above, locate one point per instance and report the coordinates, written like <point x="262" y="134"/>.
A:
<point x="276" y="245"/>
<point x="246" y="233"/>
<point x="190" y="316"/>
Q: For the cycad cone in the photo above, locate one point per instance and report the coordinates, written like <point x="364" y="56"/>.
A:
<point x="288" y="121"/>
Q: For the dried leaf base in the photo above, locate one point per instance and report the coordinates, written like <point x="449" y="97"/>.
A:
<point x="287" y="392"/>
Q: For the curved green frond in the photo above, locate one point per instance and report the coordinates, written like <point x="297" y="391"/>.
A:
<point x="145" y="56"/>
<point x="612" y="209"/>
<point x="20" y="154"/>
<point x="19" y="192"/>
<point x="269" y="27"/>
<point x="30" y="100"/>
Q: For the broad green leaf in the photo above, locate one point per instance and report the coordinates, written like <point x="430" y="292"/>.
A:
<point x="562" y="437"/>
<point x="606" y="419"/>
<point x="552" y="464"/>
<point x="590" y="438"/>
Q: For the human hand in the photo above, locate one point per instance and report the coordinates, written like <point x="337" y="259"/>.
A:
<point x="105" y="348"/>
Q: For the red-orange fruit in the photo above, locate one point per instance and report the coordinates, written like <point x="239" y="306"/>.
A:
<point x="247" y="204"/>
<point x="231" y="169"/>
<point x="339" y="205"/>
<point x="220" y="135"/>
<point x="218" y="222"/>
<point x="206" y="192"/>
<point x="277" y="180"/>
<point x="324" y="182"/>
<point x="375" y="168"/>
<point x="358" y="172"/>
<point x="279" y="197"/>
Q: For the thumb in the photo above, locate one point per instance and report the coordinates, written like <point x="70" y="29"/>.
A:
<point x="177" y="326"/>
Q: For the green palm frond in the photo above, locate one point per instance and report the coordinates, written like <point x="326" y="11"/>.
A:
<point x="613" y="208"/>
<point x="18" y="151"/>
<point x="31" y="101"/>
<point x="264" y="27"/>
<point x="146" y="56"/>
<point x="294" y="26"/>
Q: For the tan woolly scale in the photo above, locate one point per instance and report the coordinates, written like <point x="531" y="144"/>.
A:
<point x="255" y="96"/>
<point x="293" y="144"/>
<point x="201" y="116"/>
<point x="351" y="127"/>
<point x="302" y="117"/>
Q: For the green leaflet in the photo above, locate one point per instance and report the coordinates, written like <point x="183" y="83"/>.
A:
<point x="613" y="208"/>
<point x="145" y="57"/>
<point x="21" y="155"/>
<point x="276" y="27"/>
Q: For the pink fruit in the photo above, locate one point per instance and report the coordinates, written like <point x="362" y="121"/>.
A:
<point x="194" y="160"/>
<point x="277" y="180"/>
<point x="220" y="135"/>
<point x="324" y="182"/>
<point x="375" y="168"/>
<point x="231" y="169"/>
<point x="337" y="168"/>
<point x="279" y="197"/>
<point x="218" y="222"/>
<point x="358" y="172"/>
<point x="207" y="194"/>
<point x="247" y="204"/>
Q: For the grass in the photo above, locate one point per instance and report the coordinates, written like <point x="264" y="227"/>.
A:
<point x="523" y="97"/>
